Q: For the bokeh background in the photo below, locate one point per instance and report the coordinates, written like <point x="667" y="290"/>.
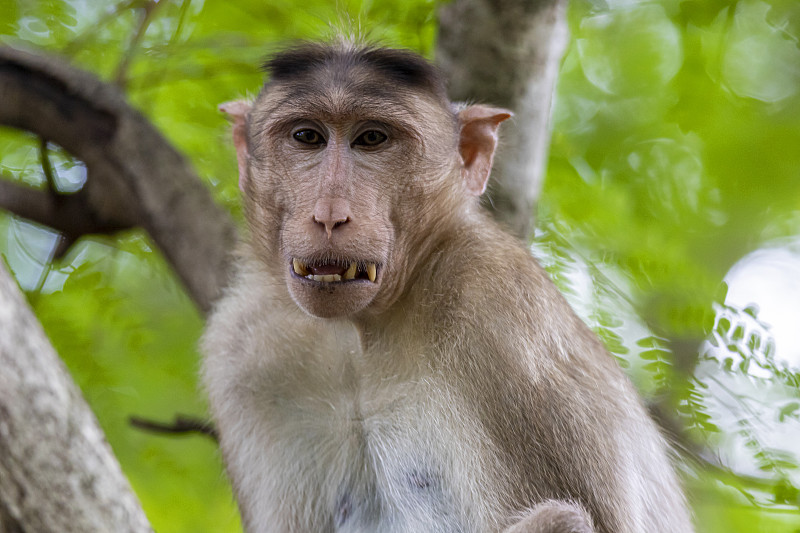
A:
<point x="670" y="217"/>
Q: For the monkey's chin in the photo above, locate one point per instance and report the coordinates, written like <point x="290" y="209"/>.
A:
<point x="331" y="299"/>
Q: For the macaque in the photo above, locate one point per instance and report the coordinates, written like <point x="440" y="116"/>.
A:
<point x="388" y="359"/>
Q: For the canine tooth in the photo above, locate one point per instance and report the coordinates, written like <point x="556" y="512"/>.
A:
<point x="299" y="267"/>
<point x="351" y="272"/>
<point x="372" y="272"/>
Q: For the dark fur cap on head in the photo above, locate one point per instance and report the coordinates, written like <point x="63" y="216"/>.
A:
<point x="402" y="67"/>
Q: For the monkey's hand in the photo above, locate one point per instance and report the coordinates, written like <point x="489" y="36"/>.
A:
<point x="554" y="516"/>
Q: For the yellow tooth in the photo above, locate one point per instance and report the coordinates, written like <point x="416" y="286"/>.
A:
<point x="351" y="272"/>
<point x="299" y="267"/>
<point x="327" y="278"/>
<point x="372" y="272"/>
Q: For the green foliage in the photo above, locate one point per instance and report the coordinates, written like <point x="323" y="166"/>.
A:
<point x="674" y="154"/>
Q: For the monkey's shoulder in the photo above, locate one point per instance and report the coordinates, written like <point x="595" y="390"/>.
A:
<point x="486" y="266"/>
<point x="498" y="294"/>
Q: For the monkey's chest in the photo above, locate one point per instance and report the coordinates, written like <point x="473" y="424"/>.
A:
<point x="345" y="464"/>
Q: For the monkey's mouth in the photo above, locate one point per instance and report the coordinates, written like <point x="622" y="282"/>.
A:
<point x="335" y="271"/>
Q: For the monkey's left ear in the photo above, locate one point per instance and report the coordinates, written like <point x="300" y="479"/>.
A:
<point x="237" y="111"/>
<point x="478" y="142"/>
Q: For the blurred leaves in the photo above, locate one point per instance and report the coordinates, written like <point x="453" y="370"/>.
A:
<point x="674" y="154"/>
<point x="750" y="38"/>
<point x="631" y="50"/>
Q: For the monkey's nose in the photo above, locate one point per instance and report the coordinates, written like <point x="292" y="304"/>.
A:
<point x="331" y="213"/>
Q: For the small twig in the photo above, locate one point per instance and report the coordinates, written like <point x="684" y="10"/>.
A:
<point x="181" y="22"/>
<point x="64" y="241"/>
<point x="181" y="425"/>
<point x="47" y="166"/>
<point x="120" y="76"/>
<point x="64" y="244"/>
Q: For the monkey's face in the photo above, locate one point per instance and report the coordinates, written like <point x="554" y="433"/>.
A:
<point x="339" y="185"/>
<point x="354" y="167"/>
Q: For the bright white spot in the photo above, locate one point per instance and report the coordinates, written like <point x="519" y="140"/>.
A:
<point x="770" y="278"/>
<point x="760" y="61"/>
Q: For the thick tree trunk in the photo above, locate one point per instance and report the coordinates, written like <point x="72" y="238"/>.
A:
<point x="507" y="53"/>
<point x="50" y="443"/>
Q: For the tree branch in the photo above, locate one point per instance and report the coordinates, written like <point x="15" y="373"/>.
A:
<point x="50" y="442"/>
<point x="70" y="214"/>
<point x="517" y="71"/>
<point x="135" y="176"/>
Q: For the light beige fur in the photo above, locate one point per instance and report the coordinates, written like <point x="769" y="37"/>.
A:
<point x="457" y="393"/>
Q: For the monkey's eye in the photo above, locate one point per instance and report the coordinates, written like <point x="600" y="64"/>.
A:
<point x="370" y="138"/>
<point x="308" y="137"/>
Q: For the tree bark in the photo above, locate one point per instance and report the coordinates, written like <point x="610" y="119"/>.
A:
<point x="50" y="442"/>
<point x="135" y="177"/>
<point x="507" y="53"/>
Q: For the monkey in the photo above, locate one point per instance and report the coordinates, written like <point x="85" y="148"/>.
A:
<point x="387" y="358"/>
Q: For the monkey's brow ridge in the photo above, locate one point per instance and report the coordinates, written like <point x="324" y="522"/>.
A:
<point x="401" y="66"/>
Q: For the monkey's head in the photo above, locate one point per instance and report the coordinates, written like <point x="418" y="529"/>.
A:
<point x="353" y="165"/>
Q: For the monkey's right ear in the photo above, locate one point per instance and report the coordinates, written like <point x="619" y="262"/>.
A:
<point x="237" y="111"/>
<point x="477" y="143"/>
